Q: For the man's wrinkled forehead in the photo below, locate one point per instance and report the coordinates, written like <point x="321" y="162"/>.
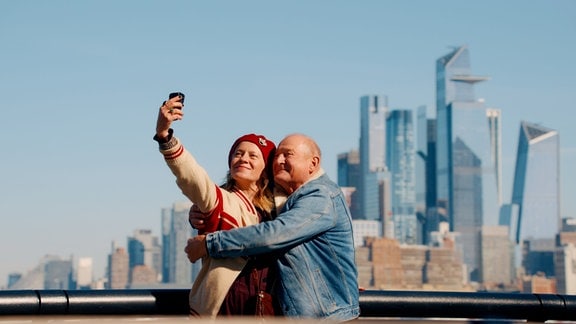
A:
<point x="292" y="142"/>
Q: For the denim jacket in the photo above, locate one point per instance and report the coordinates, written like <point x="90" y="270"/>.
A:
<point x="312" y="236"/>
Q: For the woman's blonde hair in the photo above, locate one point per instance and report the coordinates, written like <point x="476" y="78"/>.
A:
<point x="264" y="197"/>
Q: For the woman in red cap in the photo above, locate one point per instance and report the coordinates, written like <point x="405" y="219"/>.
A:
<point x="236" y="286"/>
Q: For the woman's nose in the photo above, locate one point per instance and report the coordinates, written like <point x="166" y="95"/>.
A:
<point x="244" y="157"/>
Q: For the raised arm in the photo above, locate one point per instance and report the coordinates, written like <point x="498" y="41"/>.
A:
<point x="191" y="178"/>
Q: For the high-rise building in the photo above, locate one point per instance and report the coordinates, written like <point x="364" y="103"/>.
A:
<point x="373" y="111"/>
<point x="180" y="271"/>
<point x="118" y="268"/>
<point x="565" y="269"/>
<point x="420" y="172"/>
<point x="144" y="249"/>
<point x="428" y="218"/>
<point x="135" y="252"/>
<point x="166" y="228"/>
<point x="536" y="187"/>
<point x="84" y="275"/>
<point x="384" y="190"/>
<point x="349" y="177"/>
<point x="538" y="256"/>
<point x="34" y="278"/>
<point x="400" y="157"/>
<point x="496" y="256"/>
<point x="467" y="190"/>
<point x="565" y="258"/>
<point x="348" y="168"/>
<point x="58" y="274"/>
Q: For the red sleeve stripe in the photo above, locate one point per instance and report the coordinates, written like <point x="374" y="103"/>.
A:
<point x="227" y="221"/>
<point x="213" y="223"/>
<point x="174" y="155"/>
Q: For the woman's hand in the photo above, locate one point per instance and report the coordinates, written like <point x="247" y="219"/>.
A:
<point x="170" y="111"/>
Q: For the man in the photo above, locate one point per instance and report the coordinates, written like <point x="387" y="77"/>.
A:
<point x="312" y="236"/>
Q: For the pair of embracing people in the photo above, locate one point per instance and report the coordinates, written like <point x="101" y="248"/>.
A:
<point x="275" y="238"/>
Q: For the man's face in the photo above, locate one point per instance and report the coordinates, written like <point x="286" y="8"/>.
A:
<point x="293" y="164"/>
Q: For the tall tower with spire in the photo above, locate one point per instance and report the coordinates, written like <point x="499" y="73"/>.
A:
<point x="466" y="183"/>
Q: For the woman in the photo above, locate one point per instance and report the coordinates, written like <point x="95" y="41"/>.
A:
<point x="225" y="286"/>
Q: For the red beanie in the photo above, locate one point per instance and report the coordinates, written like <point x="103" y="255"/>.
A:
<point x="265" y="145"/>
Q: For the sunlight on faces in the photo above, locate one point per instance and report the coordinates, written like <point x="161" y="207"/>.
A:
<point x="294" y="162"/>
<point x="247" y="164"/>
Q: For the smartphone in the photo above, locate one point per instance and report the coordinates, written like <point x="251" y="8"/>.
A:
<point x="175" y="94"/>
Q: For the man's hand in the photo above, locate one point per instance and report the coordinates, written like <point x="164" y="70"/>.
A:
<point x="197" y="218"/>
<point x="196" y="248"/>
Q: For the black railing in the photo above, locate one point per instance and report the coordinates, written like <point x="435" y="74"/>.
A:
<point x="373" y="303"/>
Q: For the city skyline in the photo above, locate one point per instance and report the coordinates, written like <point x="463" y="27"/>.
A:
<point x="80" y="95"/>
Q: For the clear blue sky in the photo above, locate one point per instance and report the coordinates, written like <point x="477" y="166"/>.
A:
<point x="81" y="81"/>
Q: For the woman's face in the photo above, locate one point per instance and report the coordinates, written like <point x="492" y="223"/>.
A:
<point x="247" y="164"/>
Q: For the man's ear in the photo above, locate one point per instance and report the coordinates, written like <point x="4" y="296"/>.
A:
<point x="314" y="164"/>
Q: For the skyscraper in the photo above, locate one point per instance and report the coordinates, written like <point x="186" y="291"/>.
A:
<point x="400" y="157"/>
<point x="180" y="271"/>
<point x="536" y="188"/>
<point x="496" y="256"/>
<point x="426" y="175"/>
<point x="84" y="276"/>
<point x="565" y="258"/>
<point x="166" y="228"/>
<point x="349" y="177"/>
<point x="145" y="250"/>
<point x="467" y="191"/>
<point x="118" y="268"/>
<point x="58" y="274"/>
<point x="373" y="110"/>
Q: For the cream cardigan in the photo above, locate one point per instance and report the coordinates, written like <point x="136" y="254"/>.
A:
<point x="216" y="275"/>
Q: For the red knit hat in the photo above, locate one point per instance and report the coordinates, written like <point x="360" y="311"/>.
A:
<point x="265" y="145"/>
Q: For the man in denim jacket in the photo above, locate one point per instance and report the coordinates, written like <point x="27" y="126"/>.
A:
<point x="312" y="236"/>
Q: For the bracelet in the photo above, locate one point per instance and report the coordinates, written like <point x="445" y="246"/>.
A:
<point x="166" y="139"/>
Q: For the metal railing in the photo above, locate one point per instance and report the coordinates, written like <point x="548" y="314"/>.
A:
<point x="373" y="303"/>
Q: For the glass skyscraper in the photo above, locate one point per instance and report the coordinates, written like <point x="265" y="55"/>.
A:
<point x="400" y="157"/>
<point x="426" y="214"/>
<point x="349" y="177"/>
<point x="145" y="249"/>
<point x="420" y="163"/>
<point x="536" y="188"/>
<point x="373" y="110"/>
<point x="176" y="230"/>
<point x="467" y="186"/>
